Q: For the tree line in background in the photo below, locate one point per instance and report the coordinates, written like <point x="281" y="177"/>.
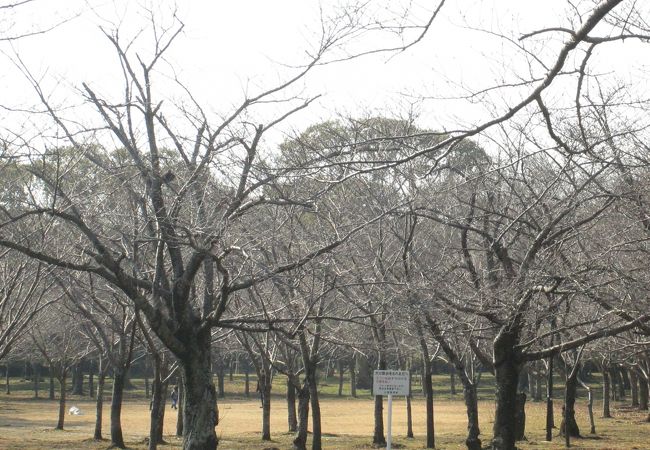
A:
<point x="515" y="246"/>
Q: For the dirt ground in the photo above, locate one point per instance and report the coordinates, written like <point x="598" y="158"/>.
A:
<point x="347" y="423"/>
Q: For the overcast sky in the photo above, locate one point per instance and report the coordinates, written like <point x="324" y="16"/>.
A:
<point x="231" y="47"/>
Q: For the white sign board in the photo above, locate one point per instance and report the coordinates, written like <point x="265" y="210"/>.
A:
<point x="390" y="382"/>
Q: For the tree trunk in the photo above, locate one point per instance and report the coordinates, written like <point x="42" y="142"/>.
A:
<point x="51" y="385"/>
<point x="200" y="397"/>
<point x="520" y="417"/>
<point x="471" y="405"/>
<point x="409" y="417"/>
<point x="341" y="371"/>
<point x="614" y="379"/>
<point x="569" y="426"/>
<point x="316" y="430"/>
<point x="292" y="419"/>
<point x="621" y="383"/>
<point x="353" y="377"/>
<point x="606" y="386"/>
<point x="590" y="409"/>
<point x="634" y="388"/>
<point x="265" y="391"/>
<point x="643" y="392"/>
<point x="247" y="383"/>
<point x="378" y="437"/>
<point x="427" y="389"/>
<point x="99" y="403"/>
<point x="36" y="369"/>
<point x="78" y="380"/>
<point x="550" y="421"/>
<point x="300" y="441"/>
<point x="507" y="368"/>
<point x="91" y="380"/>
<point x="147" y="393"/>
<point x="179" y="414"/>
<point x="119" y="379"/>
<point x="62" y="381"/>
<point x="159" y="391"/>
<point x="364" y="373"/>
<point x="452" y="379"/>
<point x="7" y="388"/>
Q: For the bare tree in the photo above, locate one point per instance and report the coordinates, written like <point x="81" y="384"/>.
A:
<point x="23" y="295"/>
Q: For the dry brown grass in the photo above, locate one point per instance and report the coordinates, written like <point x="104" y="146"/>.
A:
<point x="347" y="424"/>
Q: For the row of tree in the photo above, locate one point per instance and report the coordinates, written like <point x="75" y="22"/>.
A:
<point x="508" y="245"/>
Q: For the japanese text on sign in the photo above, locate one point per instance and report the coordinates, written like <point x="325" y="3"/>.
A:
<point x="390" y="382"/>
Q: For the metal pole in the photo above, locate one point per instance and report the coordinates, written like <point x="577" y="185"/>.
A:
<point x="389" y="436"/>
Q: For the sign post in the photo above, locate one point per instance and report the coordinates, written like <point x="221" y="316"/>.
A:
<point x="390" y="382"/>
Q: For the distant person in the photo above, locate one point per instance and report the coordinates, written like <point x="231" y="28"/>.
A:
<point x="174" y="397"/>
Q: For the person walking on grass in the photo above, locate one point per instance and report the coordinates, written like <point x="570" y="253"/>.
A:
<point x="174" y="397"/>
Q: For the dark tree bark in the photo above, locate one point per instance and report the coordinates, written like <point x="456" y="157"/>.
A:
<point x="99" y="402"/>
<point x="7" y="388"/>
<point x="353" y="376"/>
<point x="507" y="366"/>
<point x="300" y="441"/>
<point x="62" y="393"/>
<point x="606" y="387"/>
<point x="265" y="392"/>
<point x="159" y="391"/>
<point x="452" y="380"/>
<point x="179" y="415"/>
<point x="550" y="421"/>
<point x="634" y="388"/>
<point x="590" y="407"/>
<point x="520" y="417"/>
<point x="378" y="437"/>
<point x="292" y="419"/>
<point x="52" y="395"/>
<point x="569" y="426"/>
<point x="78" y="379"/>
<point x="341" y="367"/>
<point x="91" y="379"/>
<point x="316" y="430"/>
<point x="119" y="380"/>
<point x="622" y="375"/>
<point x="471" y="405"/>
<point x="247" y="382"/>
<point x="147" y="393"/>
<point x="643" y="392"/>
<point x="200" y="396"/>
<point x="364" y="373"/>
<point x="427" y="387"/>
<point x="36" y="370"/>
<point x="614" y="382"/>
<point x="310" y="364"/>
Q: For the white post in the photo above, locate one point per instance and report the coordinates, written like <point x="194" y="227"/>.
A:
<point x="389" y="436"/>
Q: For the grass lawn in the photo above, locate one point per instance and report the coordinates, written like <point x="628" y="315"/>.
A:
<point x="26" y="423"/>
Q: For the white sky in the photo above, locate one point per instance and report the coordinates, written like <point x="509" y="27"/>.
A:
<point x="229" y="47"/>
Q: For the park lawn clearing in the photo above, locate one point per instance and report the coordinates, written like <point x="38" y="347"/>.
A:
<point x="27" y="424"/>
